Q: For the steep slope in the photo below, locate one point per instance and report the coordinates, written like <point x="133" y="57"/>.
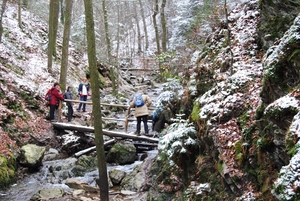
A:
<point x="246" y="115"/>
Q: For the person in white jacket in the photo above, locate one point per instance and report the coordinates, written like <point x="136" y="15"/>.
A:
<point x="83" y="92"/>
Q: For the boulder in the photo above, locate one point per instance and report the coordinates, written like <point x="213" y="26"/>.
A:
<point x="31" y="155"/>
<point x="116" y="176"/>
<point x="137" y="180"/>
<point x="51" y="154"/>
<point x="46" y="194"/>
<point x="76" y="184"/>
<point x="84" y="164"/>
<point x="122" y="153"/>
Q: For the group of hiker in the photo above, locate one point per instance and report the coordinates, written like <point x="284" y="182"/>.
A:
<point x="160" y="117"/>
<point x="140" y="102"/>
<point x="54" y="95"/>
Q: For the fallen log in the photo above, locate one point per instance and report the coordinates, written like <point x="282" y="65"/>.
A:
<point x="65" y="126"/>
<point x="88" y="150"/>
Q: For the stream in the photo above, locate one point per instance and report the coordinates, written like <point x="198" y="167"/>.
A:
<point x="31" y="183"/>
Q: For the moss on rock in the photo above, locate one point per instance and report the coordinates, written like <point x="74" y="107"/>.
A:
<point x="7" y="170"/>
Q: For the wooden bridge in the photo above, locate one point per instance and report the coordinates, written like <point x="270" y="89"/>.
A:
<point x="115" y="134"/>
<point x="66" y="126"/>
<point x="108" y="104"/>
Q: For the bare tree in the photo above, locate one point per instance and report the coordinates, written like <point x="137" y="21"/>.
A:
<point x="90" y="32"/>
<point x="53" y="23"/>
<point x="65" y="48"/>
<point x="228" y="37"/>
<point x="107" y="38"/>
<point x="138" y="29"/>
<point x="144" y="25"/>
<point x="25" y="3"/>
<point x="155" y="12"/>
<point x="163" y="26"/>
<point x="62" y="12"/>
<point x="118" y="30"/>
<point x="108" y="44"/>
<point x="19" y="13"/>
<point x="1" y="16"/>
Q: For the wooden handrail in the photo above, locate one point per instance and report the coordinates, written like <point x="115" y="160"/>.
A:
<point x="105" y="104"/>
<point x="114" y="105"/>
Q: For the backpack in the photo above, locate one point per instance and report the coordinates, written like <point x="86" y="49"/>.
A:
<point x="139" y="102"/>
<point x="48" y="95"/>
<point x="156" y="114"/>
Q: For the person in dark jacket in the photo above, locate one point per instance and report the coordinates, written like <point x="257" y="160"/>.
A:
<point x="56" y="95"/>
<point x="141" y="114"/>
<point x="83" y="92"/>
<point x="164" y="117"/>
<point x="69" y="95"/>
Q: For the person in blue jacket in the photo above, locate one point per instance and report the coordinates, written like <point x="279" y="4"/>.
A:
<point x="69" y="95"/>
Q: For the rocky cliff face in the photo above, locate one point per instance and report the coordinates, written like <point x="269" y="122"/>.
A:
<point x="276" y="17"/>
<point x="247" y="116"/>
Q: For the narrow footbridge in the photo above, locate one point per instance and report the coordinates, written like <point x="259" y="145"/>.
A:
<point x="152" y="142"/>
<point x="66" y="126"/>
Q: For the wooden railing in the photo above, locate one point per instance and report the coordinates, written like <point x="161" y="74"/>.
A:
<point x="107" y="104"/>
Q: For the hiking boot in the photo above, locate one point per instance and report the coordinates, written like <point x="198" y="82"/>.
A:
<point x="137" y="133"/>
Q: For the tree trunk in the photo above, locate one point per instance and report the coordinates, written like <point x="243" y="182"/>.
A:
<point x="139" y="50"/>
<point x="107" y="39"/>
<point x="118" y="45"/>
<point x="228" y="37"/>
<point x="163" y="26"/>
<point x="19" y="14"/>
<point x="90" y="31"/>
<point x="145" y="25"/>
<point x="52" y="32"/>
<point x="155" y="26"/>
<point x="55" y="25"/>
<point x="25" y="3"/>
<point x="108" y="45"/>
<point x="1" y="16"/>
<point x="118" y="31"/>
<point x="65" y="48"/>
<point x="62" y="12"/>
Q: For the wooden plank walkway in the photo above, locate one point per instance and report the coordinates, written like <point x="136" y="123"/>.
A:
<point x="66" y="126"/>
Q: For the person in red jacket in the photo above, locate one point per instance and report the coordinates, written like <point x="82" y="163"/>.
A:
<point x="56" y="95"/>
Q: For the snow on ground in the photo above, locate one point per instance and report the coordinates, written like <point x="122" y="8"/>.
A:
<point x="28" y="59"/>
